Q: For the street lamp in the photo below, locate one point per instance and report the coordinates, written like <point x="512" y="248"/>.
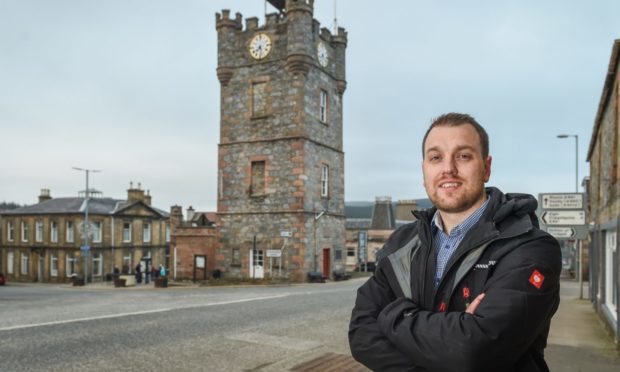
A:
<point x="85" y="228"/>
<point x="316" y="248"/>
<point x="578" y="247"/>
<point x="576" y="157"/>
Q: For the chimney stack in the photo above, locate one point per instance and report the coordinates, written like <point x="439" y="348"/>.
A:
<point x="45" y="195"/>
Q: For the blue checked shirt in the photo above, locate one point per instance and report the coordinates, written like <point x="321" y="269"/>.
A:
<point x="445" y="244"/>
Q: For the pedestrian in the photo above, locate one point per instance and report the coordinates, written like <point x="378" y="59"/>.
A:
<point x="138" y="274"/>
<point x="472" y="284"/>
<point x="154" y="272"/>
<point x="162" y="271"/>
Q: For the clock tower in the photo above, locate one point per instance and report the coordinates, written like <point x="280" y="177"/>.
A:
<point x="281" y="160"/>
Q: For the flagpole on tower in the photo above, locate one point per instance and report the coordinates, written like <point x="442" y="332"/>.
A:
<point x="335" y="19"/>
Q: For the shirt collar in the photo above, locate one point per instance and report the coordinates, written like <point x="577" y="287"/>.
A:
<point x="465" y="225"/>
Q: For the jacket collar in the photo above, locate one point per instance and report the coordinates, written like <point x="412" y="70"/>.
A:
<point x="506" y="215"/>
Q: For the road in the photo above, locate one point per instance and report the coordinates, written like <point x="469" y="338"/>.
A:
<point x="60" y="328"/>
<point x="254" y="328"/>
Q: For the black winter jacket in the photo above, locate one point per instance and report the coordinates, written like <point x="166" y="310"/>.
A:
<point x="401" y="322"/>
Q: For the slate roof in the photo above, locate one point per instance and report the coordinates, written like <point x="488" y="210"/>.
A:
<point x="363" y="209"/>
<point x="358" y="223"/>
<point x="75" y="205"/>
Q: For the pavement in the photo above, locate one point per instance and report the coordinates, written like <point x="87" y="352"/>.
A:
<point x="578" y="340"/>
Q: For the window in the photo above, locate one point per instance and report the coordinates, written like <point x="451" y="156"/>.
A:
<point x="257" y="257"/>
<point x="350" y="251"/>
<point x="24" y="270"/>
<point x="38" y="231"/>
<point x="54" y="265"/>
<point x="257" y="186"/>
<point x="69" y="238"/>
<point x="25" y="231"/>
<point x="96" y="231"/>
<point x="54" y="232"/>
<point x="10" y="260"/>
<point x="611" y="272"/>
<point x="126" y="232"/>
<point x="70" y="264"/>
<point x="337" y="254"/>
<point x="323" y="106"/>
<point x="146" y="232"/>
<point x="325" y="181"/>
<point x="127" y="262"/>
<point x="97" y="264"/>
<point x="10" y="231"/>
<point x="167" y="233"/>
<point x="259" y="99"/>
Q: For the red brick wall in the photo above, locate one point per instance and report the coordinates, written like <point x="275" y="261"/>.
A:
<point x="189" y="242"/>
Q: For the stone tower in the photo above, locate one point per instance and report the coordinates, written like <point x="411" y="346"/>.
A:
<point x="281" y="160"/>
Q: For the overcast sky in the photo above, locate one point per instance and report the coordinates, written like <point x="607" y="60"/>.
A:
<point x="129" y="87"/>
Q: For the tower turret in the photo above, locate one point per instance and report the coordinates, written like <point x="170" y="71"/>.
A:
<point x="226" y="27"/>
<point x="300" y="41"/>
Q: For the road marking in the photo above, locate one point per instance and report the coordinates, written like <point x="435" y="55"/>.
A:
<point x="277" y="341"/>
<point x="140" y="312"/>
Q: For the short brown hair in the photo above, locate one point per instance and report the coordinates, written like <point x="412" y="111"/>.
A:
<point x="454" y="119"/>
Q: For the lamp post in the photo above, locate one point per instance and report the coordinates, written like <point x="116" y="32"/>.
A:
<point x="85" y="229"/>
<point x="316" y="249"/>
<point x="577" y="242"/>
<point x="576" y="157"/>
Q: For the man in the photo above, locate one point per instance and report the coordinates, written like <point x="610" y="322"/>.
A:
<point x="472" y="284"/>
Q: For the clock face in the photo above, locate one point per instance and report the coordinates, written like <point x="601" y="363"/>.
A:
<point x="321" y="53"/>
<point x="260" y="46"/>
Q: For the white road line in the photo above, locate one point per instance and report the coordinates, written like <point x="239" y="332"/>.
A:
<point x="140" y="312"/>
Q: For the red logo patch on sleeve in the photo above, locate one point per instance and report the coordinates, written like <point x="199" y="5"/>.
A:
<point x="537" y="279"/>
<point x="465" y="293"/>
<point x="442" y="307"/>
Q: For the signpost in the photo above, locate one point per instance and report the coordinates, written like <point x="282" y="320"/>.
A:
<point x="274" y="253"/>
<point x="562" y="232"/>
<point x="563" y="216"/>
<point x="362" y="248"/>
<point x="562" y="201"/>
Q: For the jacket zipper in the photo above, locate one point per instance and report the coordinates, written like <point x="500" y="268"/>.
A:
<point x="488" y="242"/>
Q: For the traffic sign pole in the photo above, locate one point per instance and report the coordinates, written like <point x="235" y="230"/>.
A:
<point x="563" y="216"/>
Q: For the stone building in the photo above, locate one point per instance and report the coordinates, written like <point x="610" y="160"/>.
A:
<point x="603" y="190"/>
<point x="193" y="244"/>
<point x="43" y="242"/>
<point x="281" y="159"/>
<point x="370" y="225"/>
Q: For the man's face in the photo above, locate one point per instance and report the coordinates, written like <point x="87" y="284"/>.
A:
<point x="454" y="170"/>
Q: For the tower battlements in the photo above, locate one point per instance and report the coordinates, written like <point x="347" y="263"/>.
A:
<point x="224" y="20"/>
<point x="251" y="23"/>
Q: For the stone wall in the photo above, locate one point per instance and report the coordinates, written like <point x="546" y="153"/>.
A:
<point x="270" y="113"/>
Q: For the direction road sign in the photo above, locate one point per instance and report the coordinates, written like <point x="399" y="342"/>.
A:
<point x="562" y="232"/>
<point x="563" y="218"/>
<point x="562" y="201"/>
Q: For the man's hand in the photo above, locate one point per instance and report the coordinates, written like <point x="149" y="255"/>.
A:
<point x="474" y="304"/>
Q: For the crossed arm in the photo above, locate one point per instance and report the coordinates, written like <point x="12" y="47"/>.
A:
<point x="394" y="334"/>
